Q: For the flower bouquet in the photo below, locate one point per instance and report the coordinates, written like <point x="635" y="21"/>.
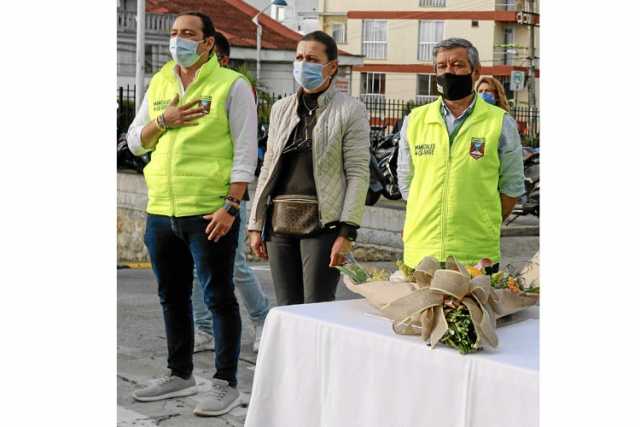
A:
<point x="455" y="305"/>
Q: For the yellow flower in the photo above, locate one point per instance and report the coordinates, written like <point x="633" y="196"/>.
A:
<point x="474" y="272"/>
<point x="512" y="284"/>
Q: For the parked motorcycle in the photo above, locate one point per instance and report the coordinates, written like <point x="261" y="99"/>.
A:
<point x="383" y="165"/>
<point x="529" y="203"/>
<point x="126" y="159"/>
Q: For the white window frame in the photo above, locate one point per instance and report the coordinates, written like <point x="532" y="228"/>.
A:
<point x="432" y="3"/>
<point x="430" y="33"/>
<point x="369" y="82"/>
<point x="510" y="52"/>
<point x="506" y="5"/>
<point x="424" y="98"/>
<point x="337" y="26"/>
<point x="279" y="12"/>
<point x="374" y="40"/>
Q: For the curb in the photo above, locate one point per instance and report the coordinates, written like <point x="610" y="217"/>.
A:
<point x="134" y="265"/>
<point x="520" y="231"/>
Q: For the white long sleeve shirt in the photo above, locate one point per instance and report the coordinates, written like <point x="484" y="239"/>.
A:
<point x="243" y="122"/>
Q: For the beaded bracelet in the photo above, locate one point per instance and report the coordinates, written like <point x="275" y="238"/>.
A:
<point x="160" y="122"/>
<point x="233" y="199"/>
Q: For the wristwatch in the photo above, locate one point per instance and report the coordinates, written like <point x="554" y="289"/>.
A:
<point x="350" y="232"/>
<point x="231" y="209"/>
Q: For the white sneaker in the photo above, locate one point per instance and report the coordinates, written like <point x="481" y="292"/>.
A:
<point x="202" y="341"/>
<point x="165" y="388"/>
<point x="258" y="330"/>
<point x="221" y="399"/>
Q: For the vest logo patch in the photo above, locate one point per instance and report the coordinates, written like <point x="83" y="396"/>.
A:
<point x="424" y="149"/>
<point x="160" y="105"/>
<point x="205" y="102"/>
<point x="477" y="148"/>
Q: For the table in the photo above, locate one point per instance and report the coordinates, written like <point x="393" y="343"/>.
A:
<point x="340" y="364"/>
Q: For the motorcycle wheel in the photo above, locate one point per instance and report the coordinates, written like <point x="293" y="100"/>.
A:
<point x="372" y="198"/>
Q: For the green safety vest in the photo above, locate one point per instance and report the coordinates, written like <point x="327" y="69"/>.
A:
<point x="190" y="168"/>
<point x="454" y="204"/>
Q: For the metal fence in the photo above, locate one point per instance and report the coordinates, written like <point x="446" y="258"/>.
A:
<point x="385" y="115"/>
<point x="126" y="107"/>
<point x="528" y="120"/>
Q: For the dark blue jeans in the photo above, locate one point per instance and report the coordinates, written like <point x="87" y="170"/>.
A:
<point x="174" y="244"/>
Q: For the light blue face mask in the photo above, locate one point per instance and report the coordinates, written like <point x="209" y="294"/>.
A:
<point x="488" y="96"/>
<point x="308" y="74"/>
<point x="184" y="51"/>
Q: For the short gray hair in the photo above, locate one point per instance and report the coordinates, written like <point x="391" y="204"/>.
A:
<point x="452" y="43"/>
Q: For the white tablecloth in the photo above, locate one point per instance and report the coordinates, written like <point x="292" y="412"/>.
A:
<point x="335" y="364"/>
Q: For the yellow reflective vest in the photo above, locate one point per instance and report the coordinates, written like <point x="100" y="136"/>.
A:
<point x="190" y="168"/>
<point x="454" y="204"/>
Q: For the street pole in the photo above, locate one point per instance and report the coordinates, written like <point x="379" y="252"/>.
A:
<point x="532" y="125"/>
<point x="258" y="46"/>
<point x="140" y="20"/>
<point x="256" y="21"/>
<point x="532" y="58"/>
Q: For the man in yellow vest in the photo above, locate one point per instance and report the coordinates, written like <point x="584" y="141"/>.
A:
<point x="459" y="167"/>
<point x="199" y="121"/>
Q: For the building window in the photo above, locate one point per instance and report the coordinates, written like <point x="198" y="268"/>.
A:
<point x="372" y="85"/>
<point x="374" y="39"/>
<point x="506" y="5"/>
<point x="429" y="35"/>
<point x="509" y="42"/>
<point x="279" y="13"/>
<point x="433" y="3"/>
<point x="339" y="32"/>
<point x="426" y="89"/>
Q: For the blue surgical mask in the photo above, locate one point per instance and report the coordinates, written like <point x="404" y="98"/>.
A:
<point x="488" y="96"/>
<point x="308" y="74"/>
<point x="184" y="51"/>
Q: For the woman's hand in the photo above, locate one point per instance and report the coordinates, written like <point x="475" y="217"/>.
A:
<point x="340" y="248"/>
<point x="258" y="247"/>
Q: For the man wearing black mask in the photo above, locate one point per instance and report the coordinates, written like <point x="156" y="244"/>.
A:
<point x="460" y="166"/>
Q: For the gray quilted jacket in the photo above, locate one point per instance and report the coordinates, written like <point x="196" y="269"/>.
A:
<point x="340" y="156"/>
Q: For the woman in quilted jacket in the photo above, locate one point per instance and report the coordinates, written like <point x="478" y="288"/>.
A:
<point x="311" y="190"/>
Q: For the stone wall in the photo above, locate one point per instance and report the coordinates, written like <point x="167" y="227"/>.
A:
<point x="132" y="201"/>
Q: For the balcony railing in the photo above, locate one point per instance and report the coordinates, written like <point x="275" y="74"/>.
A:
<point x="516" y="6"/>
<point x="511" y="5"/>
<point x="154" y="23"/>
<point x="433" y="3"/>
<point x="508" y="55"/>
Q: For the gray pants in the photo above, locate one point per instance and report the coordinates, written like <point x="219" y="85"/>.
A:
<point x="300" y="268"/>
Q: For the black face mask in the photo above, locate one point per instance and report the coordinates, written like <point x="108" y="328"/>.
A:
<point x="455" y="86"/>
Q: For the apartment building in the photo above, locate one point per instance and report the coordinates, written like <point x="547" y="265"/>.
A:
<point x="396" y="38"/>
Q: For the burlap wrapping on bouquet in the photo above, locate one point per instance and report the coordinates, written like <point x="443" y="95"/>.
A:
<point x="510" y="302"/>
<point x="418" y="308"/>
